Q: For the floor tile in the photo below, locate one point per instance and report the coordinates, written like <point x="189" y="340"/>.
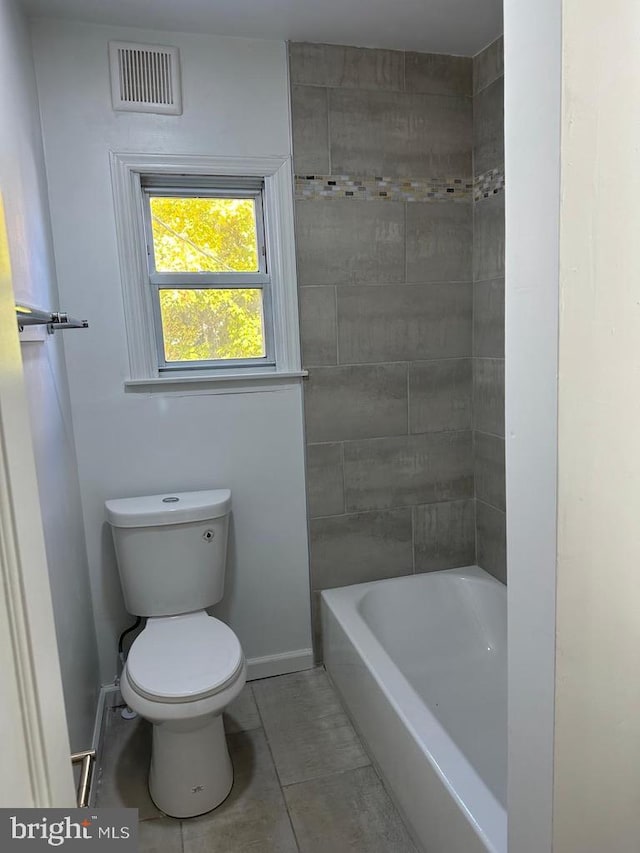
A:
<point x="346" y="813"/>
<point x="334" y="797"/>
<point x="309" y="733"/>
<point x="125" y="766"/>
<point x="242" y="714"/>
<point x="161" y="835"/>
<point x="253" y="819"/>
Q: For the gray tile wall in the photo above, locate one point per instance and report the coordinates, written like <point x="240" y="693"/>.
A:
<point x="386" y="302"/>
<point x="488" y="315"/>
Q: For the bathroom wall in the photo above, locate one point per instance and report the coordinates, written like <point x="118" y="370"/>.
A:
<point x="23" y="189"/>
<point x="597" y="725"/>
<point x="533" y="111"/>
<point x="488" y="309"/>
<point x="383" y="162"/>
<point x="235" y="103"/>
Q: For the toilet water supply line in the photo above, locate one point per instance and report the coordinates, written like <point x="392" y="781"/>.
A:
<point x="126" y="713"/>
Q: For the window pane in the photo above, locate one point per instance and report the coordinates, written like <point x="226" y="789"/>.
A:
<point x="199" y="325"/>
<point x="204" y="234"/>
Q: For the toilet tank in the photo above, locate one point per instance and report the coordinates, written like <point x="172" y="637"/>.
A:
<point x="171" y="550"/>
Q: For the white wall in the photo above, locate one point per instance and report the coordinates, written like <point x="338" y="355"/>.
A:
<point x="532" y="40"/>
<point x="572" y="75"/>
<point x="23" y="186"/>
<point x="235" y="103"/>
<point x="597" y="737"/>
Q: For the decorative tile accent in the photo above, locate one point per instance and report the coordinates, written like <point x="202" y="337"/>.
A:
<point x="314" y="187"/>
<point x="488" y="183"/>
<point x="383" y="189"/>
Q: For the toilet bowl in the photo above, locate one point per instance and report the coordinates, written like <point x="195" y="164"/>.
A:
<point x="185" y="667"/>
<point x="181" y="673"/>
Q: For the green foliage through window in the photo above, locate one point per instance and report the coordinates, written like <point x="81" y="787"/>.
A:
<point x="204" y="234"/>
<point x="199" y="325"/>
<point x="208" y="235"/>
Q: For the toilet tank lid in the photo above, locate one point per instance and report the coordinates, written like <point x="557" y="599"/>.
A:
<point x="168" y="508"/>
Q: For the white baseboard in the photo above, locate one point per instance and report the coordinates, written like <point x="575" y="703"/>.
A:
<point x="281" y="664"/>
<point x="108" y="697"/>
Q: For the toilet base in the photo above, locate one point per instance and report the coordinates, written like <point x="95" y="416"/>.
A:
<point x="191" y="772"/>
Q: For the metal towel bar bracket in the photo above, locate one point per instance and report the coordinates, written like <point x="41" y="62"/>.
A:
<point x="86" y="758"/>
<point x="51" y="319"/>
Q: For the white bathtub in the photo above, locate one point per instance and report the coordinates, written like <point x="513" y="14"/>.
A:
<point x="421" y="665"/>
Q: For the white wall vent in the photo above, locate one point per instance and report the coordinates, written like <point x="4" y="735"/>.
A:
<point x="145" y="78"/>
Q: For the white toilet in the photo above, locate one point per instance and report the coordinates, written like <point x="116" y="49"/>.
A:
<point x="185" y="667"/>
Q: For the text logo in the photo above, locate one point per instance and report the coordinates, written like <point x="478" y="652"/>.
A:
<point x="28" y="830"/>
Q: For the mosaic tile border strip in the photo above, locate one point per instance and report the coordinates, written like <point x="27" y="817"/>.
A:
<point x="488" y="184"/>
<point x="383" y="189"/>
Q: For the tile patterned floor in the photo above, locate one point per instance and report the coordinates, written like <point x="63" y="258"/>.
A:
<point x="302" y="781"/>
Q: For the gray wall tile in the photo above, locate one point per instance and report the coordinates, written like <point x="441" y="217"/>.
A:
<point x="444" y="535"/>
<point x="488" y="65"/>
<point x="363" y="547"/>
<point x="393" y="135"/>
<point x="408" y="323"/>
<point x="440" y="395"/>
<point x="488" y="454"/>
<point x="488" y="395"/>
<point x="491" y="541"/>
<point x="369" y="322"/>
<point x="345" y="241"/>
<point x="309" y="119"/>
<point x="318" y="325"/>
<point x="346" y="67"/>
<point x="356" y="402"/>
<point x="406" y="470"/>
<point x="325" y="480"/>
<point x="439" y="241"/>
<point x="438" y="74"/>
<point x="488" y="238"/>
<point x="488" y="318"/>
<point x="488" y="315"/>
<point x="488" y="128"/>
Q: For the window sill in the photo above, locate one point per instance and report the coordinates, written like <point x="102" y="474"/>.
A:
<point x="223" y="383"/>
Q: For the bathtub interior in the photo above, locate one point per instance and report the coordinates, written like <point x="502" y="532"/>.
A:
<point x="448" y="636"/>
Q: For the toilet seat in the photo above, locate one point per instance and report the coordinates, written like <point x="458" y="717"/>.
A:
<point x="184" y="658"/>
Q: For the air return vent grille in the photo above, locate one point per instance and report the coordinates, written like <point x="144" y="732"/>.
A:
<point x="145" y="78"/>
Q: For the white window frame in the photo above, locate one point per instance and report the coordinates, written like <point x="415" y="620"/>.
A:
<point x="126" y="172"/>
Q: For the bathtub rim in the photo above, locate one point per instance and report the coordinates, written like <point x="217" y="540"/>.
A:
<point x="481" y="808"/>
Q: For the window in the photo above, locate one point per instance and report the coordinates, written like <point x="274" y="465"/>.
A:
<point x="207" y="270"/>
<point x="208" y="267"/>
